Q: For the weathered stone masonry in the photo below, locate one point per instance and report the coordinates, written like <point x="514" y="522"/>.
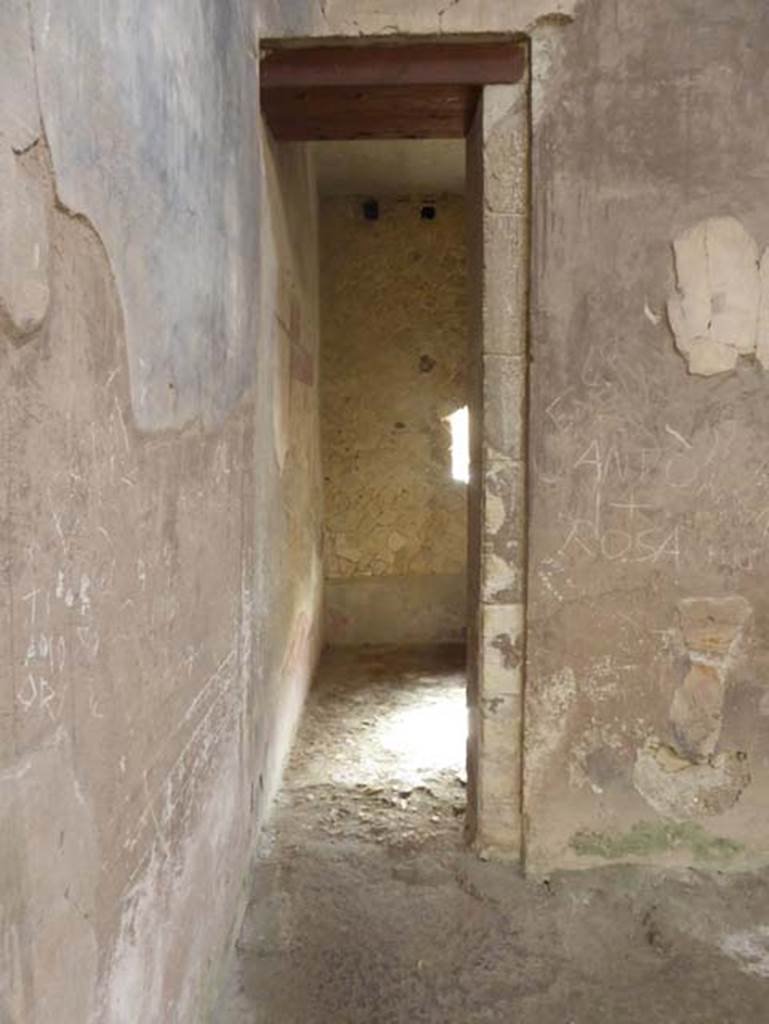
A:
<point x="498" y="190"/>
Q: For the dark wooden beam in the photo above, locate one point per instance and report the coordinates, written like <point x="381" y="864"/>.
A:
<point x="383" y="112"/>
<point x="386" y="64"/>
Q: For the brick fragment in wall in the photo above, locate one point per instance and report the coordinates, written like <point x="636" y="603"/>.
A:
<point x="692" y="778"/>
<point x="696" y="712"/>
<point x="710" y="626"/>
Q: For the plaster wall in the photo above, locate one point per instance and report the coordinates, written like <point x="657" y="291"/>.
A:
<point x="160" y="566"/>
<point x="160" y="524"/>
<point x="645" y="739"/>
<point x="394" y="353"/>
<point x="647" y="734"/>
<point x="498" y="207"/>
<point x="355" y="18"/>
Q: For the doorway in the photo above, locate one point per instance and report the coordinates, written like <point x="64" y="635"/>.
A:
<point x="479" y="93"/>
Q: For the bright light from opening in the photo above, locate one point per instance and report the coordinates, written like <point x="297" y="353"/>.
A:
<point x="429" y="736"/>
<point x="459" y="422"/>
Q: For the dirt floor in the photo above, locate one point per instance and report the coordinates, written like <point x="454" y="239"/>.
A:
<point x="365" y="909"/>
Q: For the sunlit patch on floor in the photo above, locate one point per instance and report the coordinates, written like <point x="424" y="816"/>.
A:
<point x="750" y="949"/>
<point x="428" y="736"/>
<point x="383" y="744"/>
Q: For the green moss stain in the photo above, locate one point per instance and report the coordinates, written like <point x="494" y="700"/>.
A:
<point x="647" y="838"/>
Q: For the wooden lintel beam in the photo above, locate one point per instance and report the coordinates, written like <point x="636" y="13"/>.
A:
<point x="407" y="64"/>
<point x="381" y="112"/>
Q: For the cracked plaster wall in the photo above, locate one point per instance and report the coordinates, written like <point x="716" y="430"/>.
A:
<point x="296" y="18"/>
<point x="649" y="484"/>
<point x="147" y="699"/>
<point x="394" y="310"/>
<point x="160" y="507"/>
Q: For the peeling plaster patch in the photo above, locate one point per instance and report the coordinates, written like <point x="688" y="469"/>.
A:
<point x="714" y="314"/>
<point x="19" y="114"/>
<point x="24" y="246"/>
<point x="679" y="789"/>
<point x="750" y="949"/>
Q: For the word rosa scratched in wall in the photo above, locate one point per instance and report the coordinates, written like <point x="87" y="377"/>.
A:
<point x="641" y="476"/>
<point x="631" y="496"/>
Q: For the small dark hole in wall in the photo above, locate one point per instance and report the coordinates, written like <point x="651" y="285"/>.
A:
<point x="428" y="212"/>
<point x="426" y="363"/>
<point x="370" y="209"/>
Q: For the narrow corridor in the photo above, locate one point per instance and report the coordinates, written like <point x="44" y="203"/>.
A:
<point x="366" y="909"/>
<point x="381" y="755"/>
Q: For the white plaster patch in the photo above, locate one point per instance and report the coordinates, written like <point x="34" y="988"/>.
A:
<point x="19" y="116"/>
<point x="750" y="949"/>
<point x="714" y="313"/>
<point x="678" y="789"/>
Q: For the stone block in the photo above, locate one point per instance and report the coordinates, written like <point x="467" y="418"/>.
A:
<point x="504" y="283"/>
<point x="502" y="569"/>
<point x="501" y="740"/>
<point x="498" y="826"/>
<point x="502" y="580"/>
<point x="503" y="410"/>
<point x="505" y="139"/>
<point x="501" y="660"/>
<point x="499" y="782"/>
